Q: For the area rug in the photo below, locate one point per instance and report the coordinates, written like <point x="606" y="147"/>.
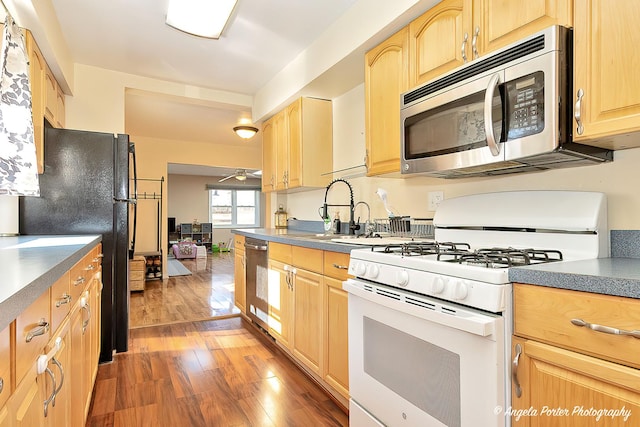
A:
<point x="176" y="268"/>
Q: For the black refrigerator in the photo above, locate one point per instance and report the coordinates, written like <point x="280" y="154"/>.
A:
<point x="85" y="190"/>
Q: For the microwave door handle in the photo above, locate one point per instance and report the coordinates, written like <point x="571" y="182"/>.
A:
<point x="488" y="114"/>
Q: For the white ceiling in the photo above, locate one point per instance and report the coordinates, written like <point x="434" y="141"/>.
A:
<point x="261" y="38"/>
<point x="131" y="36"/>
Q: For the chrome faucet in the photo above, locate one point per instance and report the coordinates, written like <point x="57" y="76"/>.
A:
<point x="325" y="215"/>
<point x="368" y="226"/>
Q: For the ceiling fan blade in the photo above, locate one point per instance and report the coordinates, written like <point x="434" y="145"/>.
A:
<point x="226" y="178"/>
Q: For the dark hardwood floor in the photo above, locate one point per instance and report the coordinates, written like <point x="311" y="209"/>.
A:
<point x="218" y="372"/>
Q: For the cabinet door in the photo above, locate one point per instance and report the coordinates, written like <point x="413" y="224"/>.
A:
<point x="26" y="404"/>
<point x="59" y="414"/>
<point x="439" y="40"/>
<point x="37" y="68"/>
<point x="386" y="77"/>
<point x="268" y="157"/>
<point x="282" y="150"/>
<point x="336" y="343"/>
<point x="240" y="296"/>
<point x="498" y="23"/>
<point x="5" y="365"/>
<point x="77" y="376"/>
<point x="280" y="296"/>
<point x="575" y="385"/>
<point x="294" y="136"/>
<point x="50" y="97"/>
<point x="60" y="108"/>
<point x="307" y="321"/>
<point x="606" y="63"/>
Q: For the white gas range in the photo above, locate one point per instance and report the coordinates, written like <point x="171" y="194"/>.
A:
<point x="430" y="321"/>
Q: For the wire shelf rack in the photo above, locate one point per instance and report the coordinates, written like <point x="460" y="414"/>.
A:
<point x="404" y="226"/>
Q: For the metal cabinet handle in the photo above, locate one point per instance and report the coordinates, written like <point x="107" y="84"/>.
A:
<point x="53" y="392"/>
<point x="577" y="111"/>
<point x="514" y="370"/>
<point x="1" y="384"/>
<point x="488" y="114"/>
<point x="341" y="267"/>
<point x="41" y="329"/>
<point x="79" y="281"/>
<point x="57" y="390"/>
<point x="65" y="299"/>
<point x="474" y="43"/>
<point x="605" y="329"/>
<point x="464" y="47"/>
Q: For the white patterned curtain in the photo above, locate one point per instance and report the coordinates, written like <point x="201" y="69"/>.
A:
<point x="18" y="164"/>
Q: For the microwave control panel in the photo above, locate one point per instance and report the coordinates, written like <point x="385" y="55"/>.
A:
<point x="525" y="104"/>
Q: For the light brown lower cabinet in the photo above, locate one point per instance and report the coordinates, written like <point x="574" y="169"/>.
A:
<point x="308" y="311"/>
<point x="60" y="396"/>
<point x="565" y="373"/>
<point x="561" y="388"/>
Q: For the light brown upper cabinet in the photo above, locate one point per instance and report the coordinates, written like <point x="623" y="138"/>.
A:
<point x="268" y="156"/>
<point x="439" y="40"/>
<point x="497" y="23"/>
<point x="298" y="146"/>
<point x="386" y="77"/>
<point x="37" y="70"/>
<point x="47" y="97"/>
<point x="456" y="31"/>
<point x="606" y="62"/>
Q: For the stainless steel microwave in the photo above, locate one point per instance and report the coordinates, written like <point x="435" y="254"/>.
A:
<point x="506" y="112"/>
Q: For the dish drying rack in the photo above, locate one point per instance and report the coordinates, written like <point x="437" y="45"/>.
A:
<point x="404" y="226"/>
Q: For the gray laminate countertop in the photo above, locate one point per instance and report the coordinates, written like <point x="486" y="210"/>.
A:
<point x="29" y="265"/>
<point x="608" y="276"/>
<point x="298" y="238"/>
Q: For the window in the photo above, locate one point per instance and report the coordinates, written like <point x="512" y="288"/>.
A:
<point x="234" y="208"/>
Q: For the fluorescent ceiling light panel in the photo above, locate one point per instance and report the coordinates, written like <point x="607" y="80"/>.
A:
<point x="204" y="18"/>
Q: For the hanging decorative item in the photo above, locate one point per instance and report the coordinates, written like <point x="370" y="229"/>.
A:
<point x="18" y="165"/>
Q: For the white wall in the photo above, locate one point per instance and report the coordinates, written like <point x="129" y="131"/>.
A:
<point x="409" y="196"/>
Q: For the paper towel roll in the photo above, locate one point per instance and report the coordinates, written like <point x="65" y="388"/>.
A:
<point x="9" y="223"/>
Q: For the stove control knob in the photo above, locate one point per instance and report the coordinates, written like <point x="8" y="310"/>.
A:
<point x="438" y="285"/>
<point x="359" y="269"/>
<point x="374" y="270"/>
<point x="461" y="290"/>
<point x="402" y="278"/>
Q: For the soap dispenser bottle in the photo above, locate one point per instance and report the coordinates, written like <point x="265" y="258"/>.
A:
<point x="336" y="223"/>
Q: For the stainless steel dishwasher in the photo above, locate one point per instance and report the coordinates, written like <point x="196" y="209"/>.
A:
<point x="256" y="252"/>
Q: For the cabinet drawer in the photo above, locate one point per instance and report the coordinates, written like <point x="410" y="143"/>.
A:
<point x="5" y="365"/>
<point x="32" y="334"/>
<point x="61" y="301"/>
<point x="307" y="258"/>
<point x="280" y="252"/>
<point x="336" y="265"/>
<point x="545" y="314"/>
<point x="81" y="274"/>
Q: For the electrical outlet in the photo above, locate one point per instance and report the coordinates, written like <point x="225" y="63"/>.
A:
<point x="435" y="197"/>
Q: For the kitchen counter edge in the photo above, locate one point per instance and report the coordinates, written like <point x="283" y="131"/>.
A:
<point x="35" y="263"/>
<point x="296" y="238"/>
<point x="607" y="276"/>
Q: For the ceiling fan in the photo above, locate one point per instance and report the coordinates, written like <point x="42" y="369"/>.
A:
<point x="241" y="175"/>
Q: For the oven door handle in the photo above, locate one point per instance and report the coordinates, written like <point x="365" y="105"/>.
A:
<point x="477" y="324"/>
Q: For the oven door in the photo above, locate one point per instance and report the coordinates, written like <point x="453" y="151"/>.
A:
<point x="418" y="361"/>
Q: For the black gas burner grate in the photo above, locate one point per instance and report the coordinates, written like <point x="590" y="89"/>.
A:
<point x="501" y="257"/>
<point x="461" y="253"/>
